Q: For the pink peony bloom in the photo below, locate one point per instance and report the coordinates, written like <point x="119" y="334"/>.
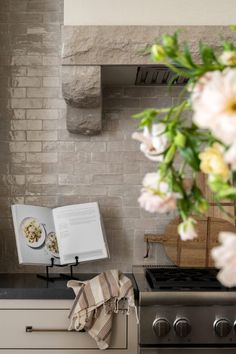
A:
<point x="153" y="143"/>
<point x="156" y="196"/>
<point x="225" y="258"/>
<point x="214" y="104"/>
<point x="187" y="229"/>
<point x="156" y="204"/>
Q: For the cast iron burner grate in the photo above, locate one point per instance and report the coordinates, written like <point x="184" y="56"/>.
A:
<point x="184" y="279"/>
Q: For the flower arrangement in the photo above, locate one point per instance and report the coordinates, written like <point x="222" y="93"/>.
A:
<point x="206" y="143"/>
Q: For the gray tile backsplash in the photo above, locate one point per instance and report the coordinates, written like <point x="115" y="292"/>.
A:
<point x="43" y="164"/>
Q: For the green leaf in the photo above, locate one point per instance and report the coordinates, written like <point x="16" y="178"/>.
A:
<point x="145" y="122"/>
<point x="191" y="157"/>
<point x="146" y="117"/>
<point x="169" y="41"/>
<point x="169" y="114"/>
<point x="183" y="206"/>
<point x="199" y="203"/>
<point x="170" y="154"/>
<point x="163" y="169"/>
<point x="228" y="45"/>
<point x="196" y="191"/>
<point x="138" y="115"/>
<point x="151" y="112"/>
<point x="177" y="186"/>
<point x="188" y="55"/>
<point x="207" y="54"/>
<point x="175" y="66"/>
<point x="229" y="193"/>
<point x="180" y="139"/>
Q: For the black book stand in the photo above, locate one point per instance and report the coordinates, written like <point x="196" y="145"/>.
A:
<point x="60" y="276"/>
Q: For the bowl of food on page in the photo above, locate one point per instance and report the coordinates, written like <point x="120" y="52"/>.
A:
<point x="33" y="232"/>
<point x="51" y="245"/>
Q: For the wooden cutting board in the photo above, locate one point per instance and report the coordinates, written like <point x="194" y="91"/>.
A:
<point x="194" y="253"/>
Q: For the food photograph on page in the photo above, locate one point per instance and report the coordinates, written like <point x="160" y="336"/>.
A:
<point x="32" y="230"/>
<point x="35" y="234"/>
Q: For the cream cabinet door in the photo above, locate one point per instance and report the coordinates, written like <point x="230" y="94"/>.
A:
<point x="47" y="329"/>
<point x="16" y="315"/>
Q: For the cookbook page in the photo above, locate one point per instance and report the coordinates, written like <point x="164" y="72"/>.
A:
<point x="35" y="234"/>
<point x="80" y="233"/>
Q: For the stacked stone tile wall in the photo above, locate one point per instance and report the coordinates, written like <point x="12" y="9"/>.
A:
<point x="41" y="163"/>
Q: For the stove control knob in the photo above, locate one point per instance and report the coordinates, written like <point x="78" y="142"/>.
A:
<point x="161" y="327"/>
<point x="182" y="327"/>
<point x="222" y="327"/>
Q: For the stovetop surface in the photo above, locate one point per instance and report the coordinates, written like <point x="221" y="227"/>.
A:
<point x="172" y="285"/>
<point x="184" y="279"/>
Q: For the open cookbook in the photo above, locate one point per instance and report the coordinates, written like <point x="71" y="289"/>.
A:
<point x="61" y="233"/>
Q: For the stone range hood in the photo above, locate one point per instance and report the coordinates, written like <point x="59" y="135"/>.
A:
<point x="97" y="55"/>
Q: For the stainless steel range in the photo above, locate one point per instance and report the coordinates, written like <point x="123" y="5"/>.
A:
<point x="185" y="310"/>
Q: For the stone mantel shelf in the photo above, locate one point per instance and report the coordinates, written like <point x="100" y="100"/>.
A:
<point x="87" y="48"/>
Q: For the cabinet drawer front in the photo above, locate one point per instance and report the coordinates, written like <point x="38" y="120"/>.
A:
<point x="41" y="329"/>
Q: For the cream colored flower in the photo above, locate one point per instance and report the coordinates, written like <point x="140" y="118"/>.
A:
<point x="153" y="142"/>
<point x="228" y="57"/>
<point x="187" y="229"/>
<point x="230" y="156"/>
<point x="156" y="196"/>
<point x="225" y="258"/>
<point x="212" y="162"/>
<point x="214" y="105"/>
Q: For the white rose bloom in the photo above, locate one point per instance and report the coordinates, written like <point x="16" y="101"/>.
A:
<point x="214" y="105"/>
<point x="156" y="196"/>
<point x="187" y="229"/>
<point x="230" y="156"/>
<point x="153" y="142"/>
<point x="225" y="258"/>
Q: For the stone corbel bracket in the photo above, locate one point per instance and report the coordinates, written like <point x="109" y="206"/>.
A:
<point x="87" y="48"/>
<point x="81" y="88"/>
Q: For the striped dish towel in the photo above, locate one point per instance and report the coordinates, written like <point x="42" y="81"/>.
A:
<point x="97" y="300"/>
